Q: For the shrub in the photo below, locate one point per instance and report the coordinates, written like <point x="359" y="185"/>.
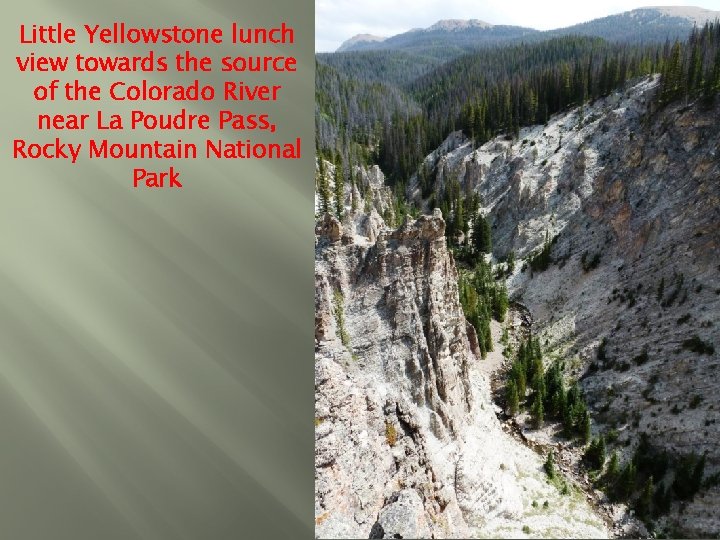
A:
<point x="595" y="454"/>
<point x="641" y="358"/>
<point x="549" y="465"/>
<point x="511" y="262"/>
<point x="390" y="434"/>
<point x="697" y="345"/>
<point x="340" y="318"/>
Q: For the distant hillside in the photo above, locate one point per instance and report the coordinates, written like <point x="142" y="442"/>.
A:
<point x="643" y="25"/>
<point x="452" y="35"/>
<point x="695" y="14"/>
<point x="360" y="42"/>
<point x="448" y="38"/>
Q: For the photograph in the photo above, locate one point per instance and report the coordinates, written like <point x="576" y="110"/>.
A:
<point x="517" y="269"/>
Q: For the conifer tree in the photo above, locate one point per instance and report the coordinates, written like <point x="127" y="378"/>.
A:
<point x="513" y="401"/>
<point x="339" y="189"/>
<point x="353" y="197"/>
<point x="585" y="428"/>
<point x="594" y="456"/>
<point x="645" y="501"/>
<point x="613" y="469"/>
<point x="549" y="465"/>
<point x="500" y="302"/>
<point x="482" y="236"/>
<point x="626" y="481"/>
<point x="511" y="262"/>
<point x="538" y="412"/>
<point x="672" y="76"/>
<point x="323" y="187"/>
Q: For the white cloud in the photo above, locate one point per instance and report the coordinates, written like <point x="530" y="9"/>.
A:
<point x="338" y="20"/>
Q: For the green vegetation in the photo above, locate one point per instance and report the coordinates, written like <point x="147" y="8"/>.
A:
<point x="540" y="261"/>
<point x="512" y="399"/>
<point x="550" y="397"/>
<point x="643" y="480"/>
<point x="339" y="190"/>
<point x="322" y="187"/>
<point x="697" y="345"/>
<point x="692" y="69"/>
<point x="338" y="302"/>
<point x="482" y="237"/>
<point x="392" y="108"/>
<point x="457" y="209"/>
<point x="510" y="261"/>
<point x="482" y="298"/>
<point x="390" y="434"/>
<point x="537" y="411"/>
<point x="595" y="454"/>
<point x="549" y="465"/>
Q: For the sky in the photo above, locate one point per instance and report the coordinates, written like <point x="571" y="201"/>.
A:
<point x="338" y="20"/>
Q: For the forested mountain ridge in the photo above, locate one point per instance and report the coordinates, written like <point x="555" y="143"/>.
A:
<point x="651" y="24"/>
<point x="638" y="25"/>
<point x="359" y="42"/>
<point x="485" y="93"/>
<point x="445" y="37"/>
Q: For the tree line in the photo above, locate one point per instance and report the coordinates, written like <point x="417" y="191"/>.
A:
<point x="396" y="123"/>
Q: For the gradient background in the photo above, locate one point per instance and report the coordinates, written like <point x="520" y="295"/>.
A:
<point x="156" y="346"/>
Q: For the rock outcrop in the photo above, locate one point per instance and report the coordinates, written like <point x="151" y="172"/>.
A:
<point x="407" y="439"/>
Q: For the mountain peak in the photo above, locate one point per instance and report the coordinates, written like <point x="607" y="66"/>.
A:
<point x="696" y="14"/>
<point x="359" y="41"/>
<point x="453" y="25"/>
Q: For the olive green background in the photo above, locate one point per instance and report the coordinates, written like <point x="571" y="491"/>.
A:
<point x="156" y="346"/>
